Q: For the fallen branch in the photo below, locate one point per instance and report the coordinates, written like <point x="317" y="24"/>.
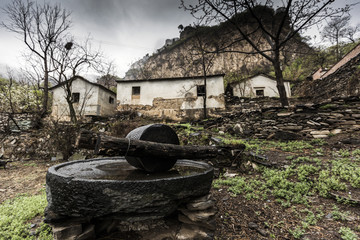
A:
<point x="343" y="198"/>
<point x="260" y="159"/>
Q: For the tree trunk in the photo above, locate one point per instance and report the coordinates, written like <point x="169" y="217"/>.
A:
<point x="69" y="99"/>
<point x="46" y="91"/>
<point x="113" y="146"/>
<point x="280" y="81"/>
<point x="72" y="112"/>
<point x="205" y="83"/>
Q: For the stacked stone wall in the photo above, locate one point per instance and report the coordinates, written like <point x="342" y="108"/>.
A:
<point x="24" y="121"/>
<point x="338" y="115"/>
<point x="344" y="82"/>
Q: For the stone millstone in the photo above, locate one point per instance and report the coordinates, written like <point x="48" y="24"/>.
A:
<point x="158" y="133"/>
<point x="81" y="189"/>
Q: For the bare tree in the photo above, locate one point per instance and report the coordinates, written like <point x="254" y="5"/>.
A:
<point x="352" y="32"/>
<point x="108" y="78"/>
<point x="268" y="31"/>
<point x="40" y="27"/>
<point x="202" y="51"/>
<point x="337" y="30"/>
<point x="68" y="60"/>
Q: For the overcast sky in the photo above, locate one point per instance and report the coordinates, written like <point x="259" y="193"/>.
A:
<point x="126" y="29"/>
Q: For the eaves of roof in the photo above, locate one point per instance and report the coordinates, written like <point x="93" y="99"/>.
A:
<point x="79" y="77"/>
<point x="169" y="79"/>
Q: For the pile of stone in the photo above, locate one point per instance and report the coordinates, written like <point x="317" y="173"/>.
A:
<point x="198" y="218"/>
<point x="24" y="146"/>
<point x="193" y="220"/>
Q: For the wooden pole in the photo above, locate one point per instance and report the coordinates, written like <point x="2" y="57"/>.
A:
<point x="113" y="146"/>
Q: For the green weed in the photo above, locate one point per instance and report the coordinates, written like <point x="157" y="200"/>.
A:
<point x="327" y="106"/>
<point x="15" y="214"/>
<point x="347" y="234"/>
<point x="356" y="152"/>
<point x="338" y="215"/>
<point x="30" y="164"/>
<point x="318" y="142"/>
<point x="297" y="232"/>
<point x="344" y="153"/>
<point x="327" y="182"/>
<point x="347" y="170"/>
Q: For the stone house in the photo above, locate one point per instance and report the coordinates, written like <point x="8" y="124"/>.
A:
<point x="260" y="85"/>
<point x="174" y="98"/>
<point x="89" y="99"/>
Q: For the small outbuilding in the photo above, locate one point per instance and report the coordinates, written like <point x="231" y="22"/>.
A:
<point x="89" y="99"/>
<point x="174" y="98"/>
<point x="260" y="85"/>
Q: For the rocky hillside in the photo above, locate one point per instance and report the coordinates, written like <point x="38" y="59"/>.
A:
<point x="182" y="56"/>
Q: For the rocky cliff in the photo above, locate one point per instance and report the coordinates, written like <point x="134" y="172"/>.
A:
<point x="218" y="49"/>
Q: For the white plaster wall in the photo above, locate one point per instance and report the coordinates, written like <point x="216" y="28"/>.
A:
<point x="95" y="100"/>
<point x="170" y="89"/>
<point x="248" y="88"/>
<point x="106" y="109"/>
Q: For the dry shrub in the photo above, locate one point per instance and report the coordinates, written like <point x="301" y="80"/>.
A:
<point x="62" y="137"/>
<point x="122" y="128"/>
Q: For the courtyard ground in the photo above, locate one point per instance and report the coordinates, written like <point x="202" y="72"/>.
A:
<point x="307" y="190"/>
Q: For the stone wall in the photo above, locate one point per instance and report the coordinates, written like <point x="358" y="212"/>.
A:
<point x="353" y="53"/>
<point x="267" y="120"/>
<point x="342" y="83"/>
<point x="24" y="121"/>
<point x="168" y="109"/>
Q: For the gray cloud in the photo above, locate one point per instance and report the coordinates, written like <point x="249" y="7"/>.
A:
<point x="126" y="29"/>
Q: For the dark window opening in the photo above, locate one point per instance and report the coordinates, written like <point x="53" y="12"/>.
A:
<point x="135" y="93"/>
<point x="135" y="90"/>
<point x="111" y="100"/>
<point x="200" y="89"/>
<point x="260" y="92"/>
<point x="75" y="97"/>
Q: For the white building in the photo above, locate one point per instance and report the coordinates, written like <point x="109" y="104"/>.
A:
<point x="89" y="99"/>
<point x="260" y="85"/>
<point x="167" y="95"/>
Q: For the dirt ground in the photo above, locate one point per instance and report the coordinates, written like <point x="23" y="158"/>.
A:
<point x="237" y="217"/>
<point x="22" y="178"/>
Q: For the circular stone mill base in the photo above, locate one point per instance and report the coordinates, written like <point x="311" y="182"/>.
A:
<point x="89" y="198"/>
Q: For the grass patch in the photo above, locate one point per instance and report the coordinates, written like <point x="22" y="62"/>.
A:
<point x="16" y="213"/>
<point x="305" y="176"/>
<point x="295" y="184"/>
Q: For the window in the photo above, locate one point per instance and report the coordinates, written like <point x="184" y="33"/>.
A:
<point x="75" y="97"/>
<point x="260" y="92"/>
<point x="200" y="89"/>
<point x="111" y="100"/>
<point x="135" y="93"/>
